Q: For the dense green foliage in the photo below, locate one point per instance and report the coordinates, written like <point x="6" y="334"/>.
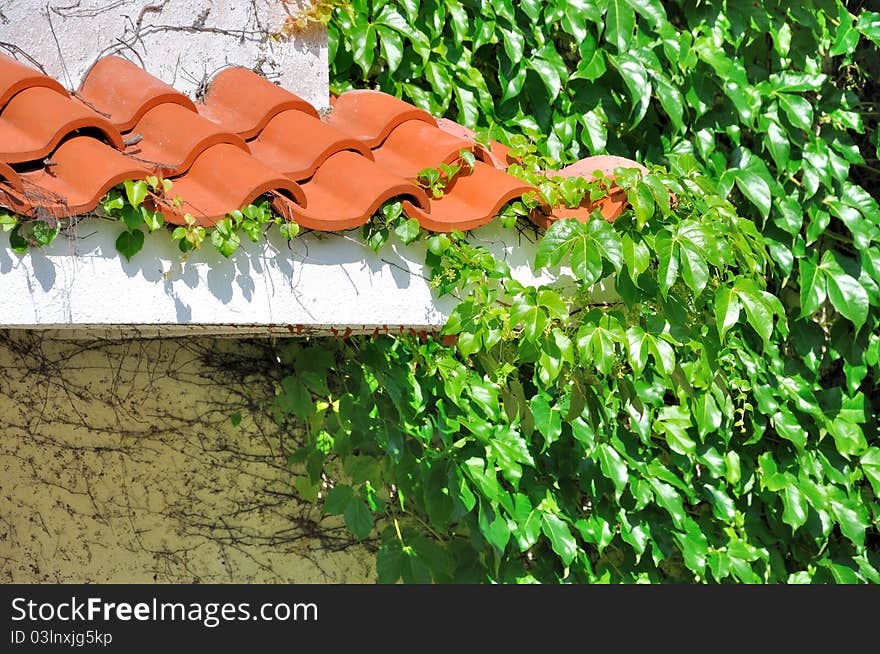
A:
<point x="719" y="422"/>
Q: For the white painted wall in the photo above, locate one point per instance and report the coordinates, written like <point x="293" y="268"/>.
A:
<point x="322" y="281"/>
<point x="183" y="42"/>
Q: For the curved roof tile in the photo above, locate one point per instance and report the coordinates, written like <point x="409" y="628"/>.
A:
<point x="369" y="116"/>
<point x="15" y="77"/>
<point x="124" y="92"/>
<point x="472" y="200"/>
<point x="172" y="137"/>
<point x="348" y="189"/>
<point x="36" y="119"/>
<point x="398" y="155"/>
<point x="222" y="179"/>
<point x="297" y="143"/>
<point x="82" y="172"/>
<point x="244" y="102"/>
<point x="249" y="138"/>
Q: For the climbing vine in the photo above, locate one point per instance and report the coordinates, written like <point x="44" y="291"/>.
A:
<point x="717" y="420"/>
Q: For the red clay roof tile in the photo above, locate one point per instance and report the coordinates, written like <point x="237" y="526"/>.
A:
<point x="369" y="116"/>
<point x="496" y="154"/>
<point x="398" y="155"/>
<point x="124" y="92"/>
<point x="347" y="190"/>
<point x="224" y="178"/>
<point x="243" y="102"/>
<point x="610" y="206"/>
<point x="34" y="121"/>
<point x="248" y="139"/>
<point x="297" y="143"/>
<point x="15" y="77"/>
<point x="173" y="136"/>
<point x="84" y="169"/>
<point x="471" y="201"/>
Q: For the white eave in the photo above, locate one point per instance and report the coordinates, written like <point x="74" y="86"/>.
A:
<point x="318" y="283"/>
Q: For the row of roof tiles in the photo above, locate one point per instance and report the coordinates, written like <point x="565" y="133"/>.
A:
<point x="61" y="152"/>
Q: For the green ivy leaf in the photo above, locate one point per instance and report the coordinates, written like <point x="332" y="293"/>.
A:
<point x="561" y="540"/>
<point x="870" y="464"/>
<point x="136" y="192"/>
<point x="613" y="467"/>
<point x="798" y="110"/>
<point x="845" y="292"/>
<point x="129" y="243"/>
<point x="620" y="22"/>
<point x="727" y="308"/>
<point x="359" y="518"/>
<point x="338" y="499"/>
<point x="755" y="189"/>
<point x="548" y="420"/>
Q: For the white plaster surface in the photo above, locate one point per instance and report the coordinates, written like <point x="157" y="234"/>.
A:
<point x="322" y="281"/>
<point x="183" y="42"/>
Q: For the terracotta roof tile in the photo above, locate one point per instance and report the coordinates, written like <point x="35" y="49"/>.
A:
<point x="297" y="143"/>
<point x="224" y="178"/>
<point x="249" y="138"/>
<point x="243" y="102"/>
<point x="473" y="200"/>
<point x="35" y="120"/>
<point x="123" y="92"/>
<point x="496" y="154"/>
<point x="15" y="77"/>
<point x="348" y="189"/>
<point x="172" y="136"/>
<point x="398" y="155"/>
<point x="369" y="116"/>
<point x="610" y="206"/>
<point x="84" y="169"/>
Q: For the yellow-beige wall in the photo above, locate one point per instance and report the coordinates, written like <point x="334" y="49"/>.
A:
<point x="119" y="463"/>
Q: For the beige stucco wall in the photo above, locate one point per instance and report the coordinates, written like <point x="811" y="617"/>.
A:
<point x="118" y="463"/>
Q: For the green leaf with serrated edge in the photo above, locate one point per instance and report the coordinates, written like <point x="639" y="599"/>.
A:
<point x="870" y="464"/>
<point x="795" y="505"/>
<point x="812" y="285"/>
<point x="667" y="254"/>
<point x="851" y="520"/>
<point x="359" y="518"/>
<point x="848" y="437"/>
<point x="620" y="22"/>
<point x="635" y="78"/>
<point x="548" y="419"/>
<point x="727" y="308"/>
<point x="694" y="269"/>
<point x="561" y="540"/>
<point x="694" y="547"/>
<point x="759" y="315"/>
<point x="845" y="292"/>
<point x="788" y="427"/>
<point x="797" y="109"/>
<point x="669" y="499"/>
<point x="408" y="231"/>
<point x="869" y="25"/>
<point x="613" y="467"/>
<point x="674" y="421"/>
<point x="389" y="562"/>
<point x="338" y="499"/>
<point x="755" y="189"/>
